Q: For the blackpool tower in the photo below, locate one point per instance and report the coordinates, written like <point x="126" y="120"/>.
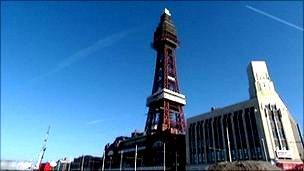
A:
<point x="166" y="103"/>
<point x="162" y="145"/>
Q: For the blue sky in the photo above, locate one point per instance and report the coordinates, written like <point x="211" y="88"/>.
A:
<point x="86" y="68"/>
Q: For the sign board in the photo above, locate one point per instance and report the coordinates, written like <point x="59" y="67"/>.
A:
<point x="284" y="153"/>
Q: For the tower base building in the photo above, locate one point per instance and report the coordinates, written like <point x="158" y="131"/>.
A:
<point x="163" y="151"/>
<point x="260" y="128"/>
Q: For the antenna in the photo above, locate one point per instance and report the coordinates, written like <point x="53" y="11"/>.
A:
<point x="166" y="11"/>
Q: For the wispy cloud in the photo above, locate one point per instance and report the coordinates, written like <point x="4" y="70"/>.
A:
<point x="94" y="122"/>
<point x="85" y="52"/>
<point x="274" y="17"/>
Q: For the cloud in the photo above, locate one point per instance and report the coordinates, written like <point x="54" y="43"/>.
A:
<point x="274" y="17"/>
<point x="94" y="122"/>
<point x="85" y="52"/>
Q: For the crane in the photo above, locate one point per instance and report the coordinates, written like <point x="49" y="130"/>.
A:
<point x="42" y="151"/>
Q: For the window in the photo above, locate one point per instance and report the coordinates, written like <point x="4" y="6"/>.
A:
<point x="202" y="144"/>
<point x="207" y="139"/>
<point x="173" y="119"/>
<point x="237" y="135"/>
<point x="225" y="135"/>
<point x="215" y="137"/>
<point x="255" y="134"/>
<point x="250" y="133"/>
<point x="174" y="115"/>
<point x="211" y="142"/>
<point x="198" y="141"/>
<point x="220" y="139"/>
<point x="242" y="134"/>
<point x="281" y="130"/>
<point x="157" y="116"/>
<point x="190" y="141"/>
<point x="277" y="127"/>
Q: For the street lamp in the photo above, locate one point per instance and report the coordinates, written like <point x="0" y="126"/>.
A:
<point x="110" y="162"/>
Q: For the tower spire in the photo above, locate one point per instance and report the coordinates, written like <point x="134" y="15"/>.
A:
<point x="166" y="102"/>
<point x="166" y="11"/>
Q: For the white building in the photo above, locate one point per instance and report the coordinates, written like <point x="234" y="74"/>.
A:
<point x="15" y="165"/>
<point x="260" y="128"/>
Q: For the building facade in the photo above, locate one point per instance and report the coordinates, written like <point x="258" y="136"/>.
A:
<point x="82" y="163"/>
<point x="260" y="128"/>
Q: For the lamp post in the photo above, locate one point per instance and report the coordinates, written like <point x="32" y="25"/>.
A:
<point x="164" y="156"/>
<point x="110" y="162"/>
<point x="175" y="160"/>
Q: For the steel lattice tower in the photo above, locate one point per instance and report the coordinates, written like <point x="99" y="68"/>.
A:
<point x="166" y="103"/>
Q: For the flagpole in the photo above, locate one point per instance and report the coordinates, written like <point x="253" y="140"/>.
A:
<point x="135" y="157"/>
<point x="103" y="160"/>
<point x="164" y="156"/>
<point x="121" y="157"/>
<point x="70" y="164"/>
<point x="82" y="163"/>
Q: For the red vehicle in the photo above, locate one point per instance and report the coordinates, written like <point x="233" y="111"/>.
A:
<point x="45" y="167"/>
